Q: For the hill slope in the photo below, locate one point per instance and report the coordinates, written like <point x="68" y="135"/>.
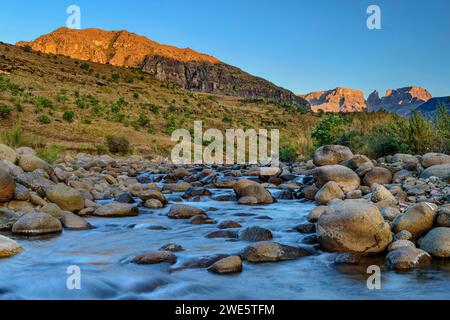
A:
<point x="44" y="90"/>
<point x="185" y="67"/>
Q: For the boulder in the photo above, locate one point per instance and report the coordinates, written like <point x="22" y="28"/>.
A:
<point x="364" y="168"/>
<point x="29" y="163"/>
<point x="52" y="209"/>
<point x="380" y="193"/>
<point x="10" y="167"/>
<point x="7" y="219"/>
<point x="73" y="222"/>
<point x="331" y="154"/>
<point x="442" y="171"/>
<point x="21" y="193"/>
<point x="65" y="197"/>
<point x="36" y="223"/>
<point x="355" y="162"/>
<point x="8" y="247"/>
<point x="390" y="213"/>
<point x="153" y="204"/>
<point x="6" y="153"/>
<point x="343" y="176"/>
<point x="231" y="264"/>
<point x="328" y="192"/>
<point x="172" y="247"/>
<point x="182" y="211"/>
<point x="403" y="235"/>
<point x="35" y="181"/>
<point x="255" y="234"/>
<point x="353" y="226"/>
<point x="229" y="224"/>
<point x="251" y="189"/>
<point x="310" y="192"/>
<point x="418" y="219"/>
<point x="315" y="214"/>
<point x="124" y="197"/>
<point x="7" y="186"/>
<point x="437" y="242"/>
<point x="116" y="209"/>
<point x="405" y="158"/>
<point x="401" y="243"/>
<point x="377" y="175"/>
<point x="443" y="218"/>
<point x="432" y="159"/>
<point x="152" y="194"/>
<point x="155" y="257"/>
<point x="266" y="251"/>
<point x="407" y="257"/>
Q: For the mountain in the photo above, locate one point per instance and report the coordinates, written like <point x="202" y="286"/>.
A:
<point x="337" y="100"/>
<point x="428" y="109"/>
<point x="185" y="67"/>
<point x="402" y="101"/>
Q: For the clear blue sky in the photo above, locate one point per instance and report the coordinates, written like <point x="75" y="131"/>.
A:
<point x="301" y="45"/>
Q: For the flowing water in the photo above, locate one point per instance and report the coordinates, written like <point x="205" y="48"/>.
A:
<point x="103" y="255"/>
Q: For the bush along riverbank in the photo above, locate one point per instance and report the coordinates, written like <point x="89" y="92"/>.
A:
<point x="396" y="206"/>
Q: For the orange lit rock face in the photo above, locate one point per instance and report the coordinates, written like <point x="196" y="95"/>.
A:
<point x="118" y="48"/>
<point x="337" y="100"/>
<point x="402" y="101"/>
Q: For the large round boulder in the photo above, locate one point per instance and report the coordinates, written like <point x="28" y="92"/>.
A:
<point x="231" y="264"/>
<point x="405" y="158"/>
<point x="65" y="197"/>
<point x="377" y="175"/>
<point x="36" y="223"/>
<point x="30" y="162"/>
<point x="328" y="192"/>
<point x="255" y="233"/>
<point x="6" y="153"/>
<point x="418" y="219"/>
<point x="353" y="226"/>
<point x="442" y="171"/>
<point x="432" y="159"/>
<point x="332" y="154"/>
<point x="437" y="242"/>
<point x="252" y="192"/>
<point x="182" y="211"/>
<point x="7" y="186"/>
<point x="8" y="247"/>
<point x="407" y="257"/>
<point x="343" y="176"/>
<point x="116" y="209"/>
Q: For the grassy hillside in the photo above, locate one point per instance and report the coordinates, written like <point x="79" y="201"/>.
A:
<point x="74" y="105"/>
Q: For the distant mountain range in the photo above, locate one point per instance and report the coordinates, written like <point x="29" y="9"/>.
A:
<point x="185" y="67"/>
<point x="403" y="101"/>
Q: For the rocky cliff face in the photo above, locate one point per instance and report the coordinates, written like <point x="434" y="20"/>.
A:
<point x="337" y="100"/>
<point x="402" y="101"/>
<point x="185" y="67"/>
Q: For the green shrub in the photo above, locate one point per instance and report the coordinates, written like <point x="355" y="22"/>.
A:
<point x="288" y="153"/>
<point x="68" y="116"/>
<point x="5" y="111"/>
<point x="43" y="119"/>
<point x="118" y="145"/>
<point x="115" y="76"/>
<point x="328" y="130"/>
<point x="227" y="118"/>
<point x="421" y="134"/>
<point x="49" y="154"/>
<point x="143" y="120"/>
<point x="85" y="66"/>
<point x="42" y="102"/>
<point x="87" y="121"/>
<point x="153" y="108"/>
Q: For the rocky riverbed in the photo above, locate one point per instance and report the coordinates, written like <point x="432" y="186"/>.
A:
<point x="140" y="228"/>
